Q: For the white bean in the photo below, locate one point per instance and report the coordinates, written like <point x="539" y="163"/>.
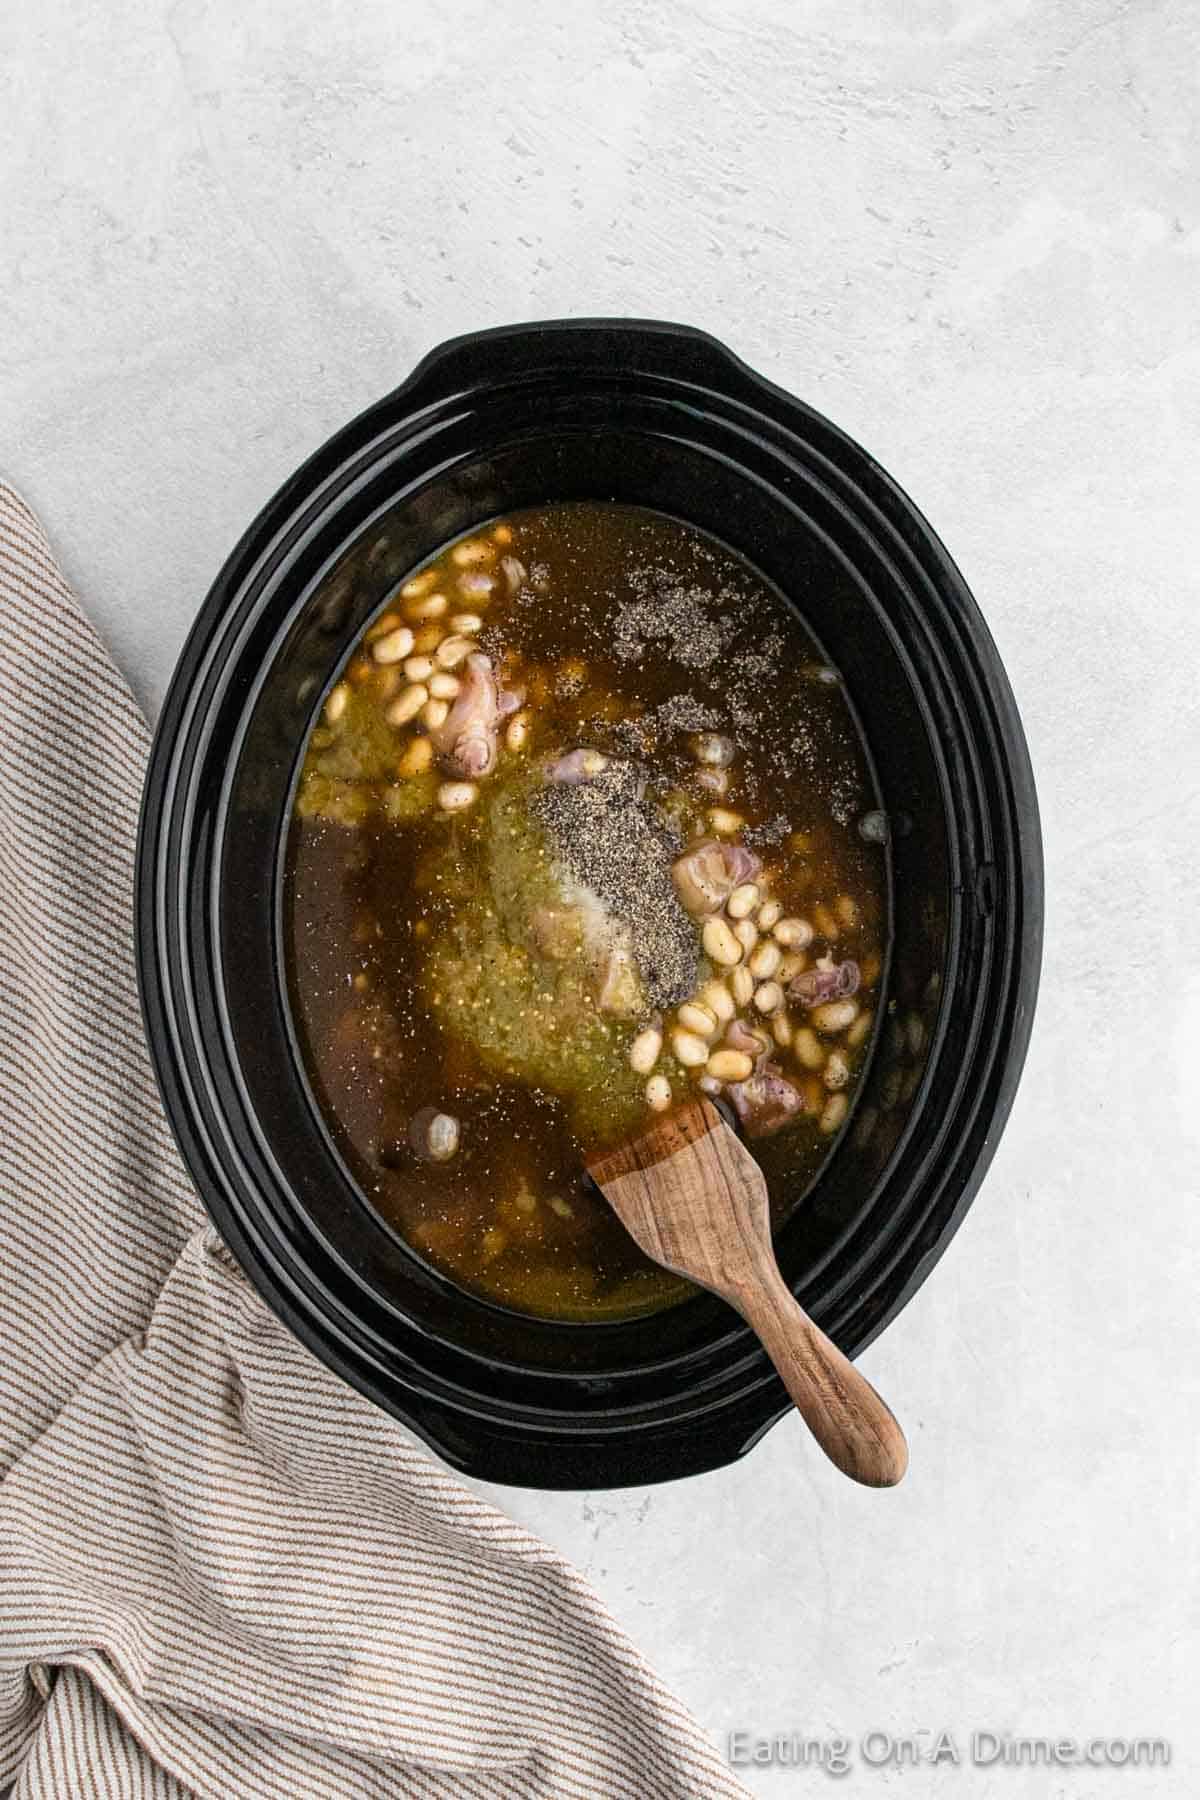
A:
<point x="836" y="1108"/>
<point x="695" y="1017"/>
<point x="441" y="1138"/>
<point x="419" y="668"/>
<point x="807" y="1048"/>
<point x="466" y="623"/>
<point x="765" y="961"/>
<point x="514" y="572"/>
<point x="730" y="1065"/>
<point x="517" y="735"/>
<point x="720" y="944"/>
<point x="690" y="1050"/>
<point x="724" y="822"/>
<point x="769" y="997"/>
<point x="407" y="705"/>
<point x="837" y="1070"/>
<point x="793" y="963"/>
<point x="417" y="757"/>
<point x="336" y="704"/>
<point x="472" y="551"/>
<point x="432" y="606"/>
<point x="859" y="1031"/>
<point x="645" y="1050"/>
<point x="834" y="1015"/>
<point x="746" y="933"/>
<point x="719" y="1001"/>
<point x="742" y="901"/>
<point x="380" y="626"/>
<point x="658" y="1093"/>
<point x="825" y="923"/>
<point x="420" y="584"/>
<point x="394" y="647"/>
<point x="456" y="796"/>
<point x="781" y="1029"/>
<point x="443" y="686"/>
<point x="793" y="934"/>
<point x="742" y="984"/>
<point x="476" y="586"/>
<point x="768" y="914"/>
<point x="434" y="713"/>
<point x="451" y="651"/>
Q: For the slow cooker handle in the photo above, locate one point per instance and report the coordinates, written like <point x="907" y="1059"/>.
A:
<point x="609" y="347"/>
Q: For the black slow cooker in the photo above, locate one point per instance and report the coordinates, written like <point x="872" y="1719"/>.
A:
<point x="665" y="417"/>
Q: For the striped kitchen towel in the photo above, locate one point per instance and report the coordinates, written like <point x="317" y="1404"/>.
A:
<point x="222" y="1572"/>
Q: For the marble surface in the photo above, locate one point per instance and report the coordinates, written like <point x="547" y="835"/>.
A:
<point x="968" y="232"/>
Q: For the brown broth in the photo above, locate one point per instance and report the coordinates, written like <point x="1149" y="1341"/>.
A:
<point x="413" y="984"/>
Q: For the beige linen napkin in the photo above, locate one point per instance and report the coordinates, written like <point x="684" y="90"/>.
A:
<point x="222" y="1572"/>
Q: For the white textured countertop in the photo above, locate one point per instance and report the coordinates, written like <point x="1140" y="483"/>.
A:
<point x="968" y="232"/>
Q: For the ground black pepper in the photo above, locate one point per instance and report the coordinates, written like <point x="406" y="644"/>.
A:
<point x="609" y="838"/>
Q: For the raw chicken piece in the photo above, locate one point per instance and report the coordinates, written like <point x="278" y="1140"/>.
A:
<point x="581" y="925"/>
<point x="621" y="993"/>
<point x="740" y="1036"/>
<point x="766" y="1102"/>
<point x="815" y="986"/>
<point x="612" y="854"/>
<point x="466" y="742"/>
<point x="557" y="931"/>
<point x="577" y="766"/>
<point x="707" y="873"/>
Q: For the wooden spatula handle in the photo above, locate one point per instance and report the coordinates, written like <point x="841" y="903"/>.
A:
<point x="691" y="1195"/>
<point x="853" y="1426"/>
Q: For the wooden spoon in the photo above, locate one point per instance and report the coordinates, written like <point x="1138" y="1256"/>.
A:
<point x="693" y="1198"/>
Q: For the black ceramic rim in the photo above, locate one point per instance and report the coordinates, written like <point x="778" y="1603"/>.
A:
<point x="537" y="1439"/>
